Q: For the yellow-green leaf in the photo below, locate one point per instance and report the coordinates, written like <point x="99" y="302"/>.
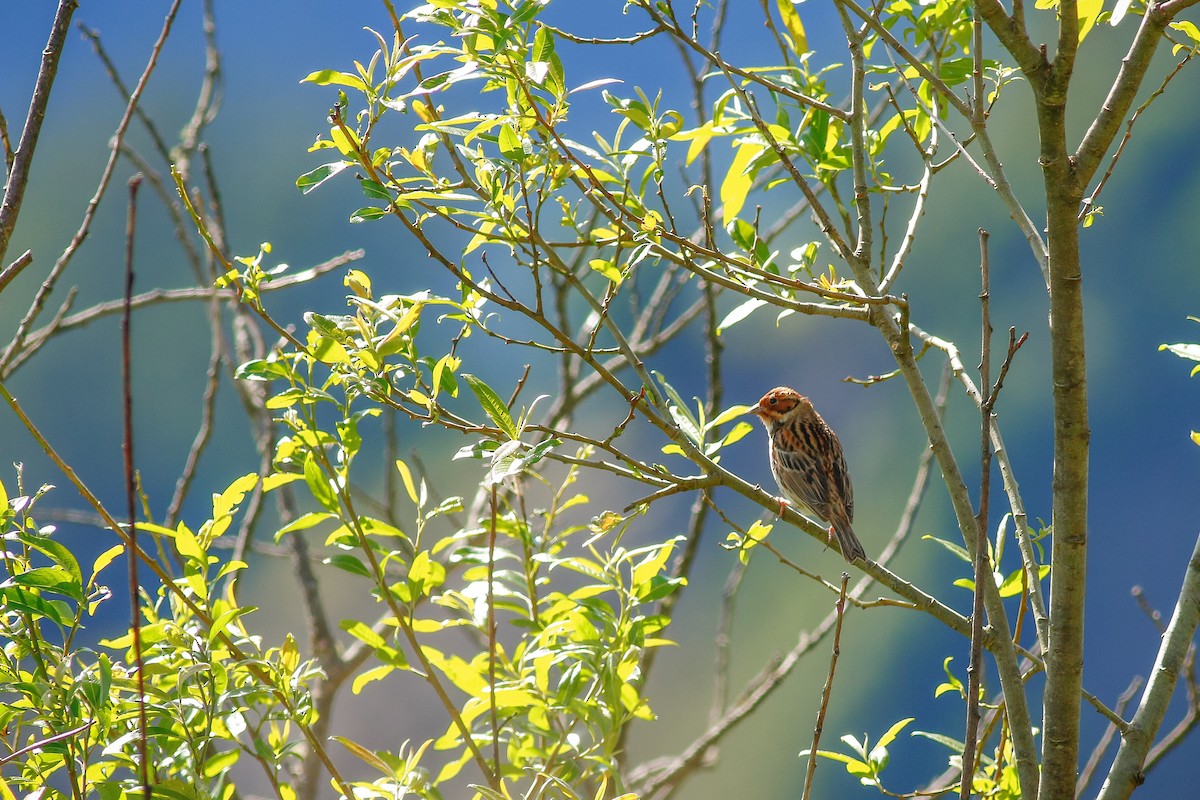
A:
<point x="106" y="558"/>
<point x="1088" y="11"/>
<point x="608" y="269"/>
<point x="327" y="77"/>
<point x="731" y="413"/>
<point x="406" y="476"/>
<point x="1188" y="28"/>
<point x="795" y="28"/>
<point x="737" y="183"/>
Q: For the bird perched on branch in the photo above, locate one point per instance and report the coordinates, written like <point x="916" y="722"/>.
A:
<point x="808" y="464"/>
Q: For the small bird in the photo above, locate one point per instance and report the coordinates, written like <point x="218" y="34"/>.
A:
<point x="808" y="464"/>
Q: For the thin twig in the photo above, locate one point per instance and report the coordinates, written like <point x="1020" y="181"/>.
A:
<point x="14" y="269"/>
<point x="828" y="690"/>
<point x="135" y="611"/>
<point x="1089" y="203"/>
<point x="1089" y="769"/>
<point x="43" y="293"/>
<point x="982" y="569"/>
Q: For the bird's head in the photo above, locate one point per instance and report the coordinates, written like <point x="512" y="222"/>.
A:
<point x="779" y="406"/>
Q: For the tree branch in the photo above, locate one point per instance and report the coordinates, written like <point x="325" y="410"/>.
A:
<point x="18" y="175"/>
<point x="1125" y="775"/>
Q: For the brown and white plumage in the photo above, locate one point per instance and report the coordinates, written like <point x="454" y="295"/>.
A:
<point x="808" y="463"/>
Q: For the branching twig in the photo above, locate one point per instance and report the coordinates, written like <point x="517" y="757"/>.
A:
<point x="21" y="159"/>
<point x="47" y="286"/>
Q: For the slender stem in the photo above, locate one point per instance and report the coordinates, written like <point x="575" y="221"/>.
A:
<point x="827" y="690"/>
<point x="135" y="611"/>
<point x="491" y="636"/>
<point x="983" y="571"/>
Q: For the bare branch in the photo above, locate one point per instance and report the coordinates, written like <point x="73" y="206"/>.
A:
<point x="22" y="158"/>
<point x="1125" y="775"/>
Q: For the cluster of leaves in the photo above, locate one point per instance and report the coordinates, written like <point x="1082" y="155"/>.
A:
<point x="588" y="223"/>
<point x="553" y="690"/>
<point x="71" y="713"/>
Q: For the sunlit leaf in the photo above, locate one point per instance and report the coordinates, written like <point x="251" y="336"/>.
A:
<point x="493" y="406"/>
<point x="737" y="183"/>
<point x="1088" y="11"/>
<point x="314" y="178"/>
<point x="739" y="313"/>
<point x="1183" y="350"/>
<point x="795" y="28"/>
<point x="329" y="77"/>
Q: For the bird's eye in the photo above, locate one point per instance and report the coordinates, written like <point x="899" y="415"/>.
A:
<point x="773" y="400"/>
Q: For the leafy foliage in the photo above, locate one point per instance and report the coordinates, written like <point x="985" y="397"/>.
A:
<point x="526" y="600"/>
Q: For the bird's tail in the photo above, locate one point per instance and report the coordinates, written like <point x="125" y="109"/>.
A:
<point x="848" y="543"/>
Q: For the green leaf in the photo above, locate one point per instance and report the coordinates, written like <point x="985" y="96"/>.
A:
<point x="953" y="744"/>
<point x="957" y="549"/>
<point x="364" y="754"/>
<point x="739" y="313"/>
<point x="406" y="477"/>
<point x="374" y="190"/>
<point x="543" y="44"/>
<point x="731" y="413"/>
<point x="1012" y="585"/>
<point x="679" y="411"/>
<point x="952" y="682"/>
<point x="314" y="178"/>
<point x="349" y="563"/>
<point x="329" y="77"/>
<point x="262" y="369"/>
<point x="106" y="558"/>
<point x="891" y="733"/>
<point x="363" y="632"/>
<point x="510" y="143"/>
<point x="493" y="406"/>
<point x="368" y="213"/>
<point x="374" y="674"/>
<point x="318" y="484"/>
<point x="737" y="433"/>
<point x="52" y="579"/>
<point x="304" y="522"/>
<point x="650" y="566"/>
<point x="16" y="598"/>
<point x="222" y="622"/>
<point x="608" y="269"/>
<point x="57" y="552"/>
